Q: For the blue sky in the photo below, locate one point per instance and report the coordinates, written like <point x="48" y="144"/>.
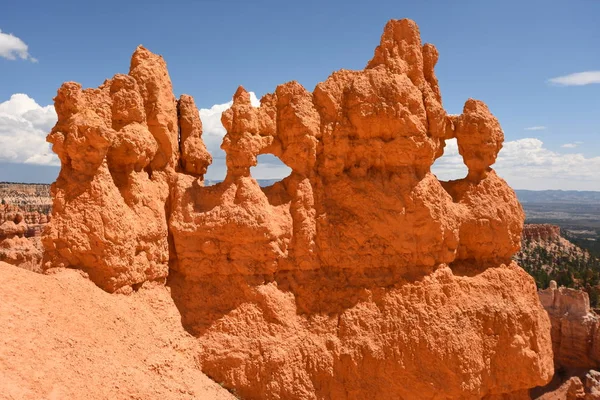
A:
<point x="501" y="52"/>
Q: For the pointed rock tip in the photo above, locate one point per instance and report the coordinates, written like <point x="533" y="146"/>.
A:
<point x="402" y="30"/>
<point x="401" y="22"/>
<point x="139" y="55"/>
<point x="141" y="51"/>
<point x="473" y="105"/>
<point x="241" y="96"/>
<point x="398" y="35"/>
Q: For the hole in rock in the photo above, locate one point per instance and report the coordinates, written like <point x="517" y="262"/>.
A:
<point x="217" y="170"/>
<point x="213" y="133"/>
<point x="269" y="170"/>
<point x="450" y="165"/>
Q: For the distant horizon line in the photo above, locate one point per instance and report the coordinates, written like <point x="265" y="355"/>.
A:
<point x="279" y="179"/>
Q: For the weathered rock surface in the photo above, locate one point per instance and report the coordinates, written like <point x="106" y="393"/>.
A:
<point x="315" y="286"/>
<point x="541" y="232"/>
<point x="61" y="337"/>
<point x="571" y="389"/>
<point x="360" y="275"/>
<point x="118" y="147"/>
<point x="575" y="328"/>
<point x="22" y="252"/>
<point x="581" y="386"/>
<point x="343" y="335"/>
<point x="19" y="240"/>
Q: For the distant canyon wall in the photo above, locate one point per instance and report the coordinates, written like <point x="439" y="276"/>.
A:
<point x="541" y="232"/>
<point x="24" y="212"/>
<point x="575" y="327"/>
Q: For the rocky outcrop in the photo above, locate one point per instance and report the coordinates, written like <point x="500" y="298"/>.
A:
<point x="22" y="252"/>
<point x="582" y="386"/>
<point x="361" y="275"/>
<point x="30" y="223"/>
<point x="541" y="232"/>
<point x="119" y="149"/>
<point x="19" y="241"/>
<point x="575" y="328"/>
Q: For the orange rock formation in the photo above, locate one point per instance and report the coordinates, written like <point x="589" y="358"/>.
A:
<point x="118" y="146"/>
<point x="541" y="232"/>
<point x="360" y="275"/>
<point x="575" y="328"/>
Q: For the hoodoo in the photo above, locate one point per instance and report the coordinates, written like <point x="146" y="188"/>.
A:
<point x="359" y="276"/>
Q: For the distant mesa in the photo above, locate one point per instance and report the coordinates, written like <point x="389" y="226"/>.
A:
<point x="541" y="232"/>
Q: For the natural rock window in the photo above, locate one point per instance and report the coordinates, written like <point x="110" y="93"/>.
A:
<point x="359" y="275"/>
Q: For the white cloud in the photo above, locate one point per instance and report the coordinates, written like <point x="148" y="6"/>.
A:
<point x="577" y="79"/>
<point x="24" y="125"/>
<point x="11" y="48"/>
<point x="527" y="164"/>
<point x="269" y="167"/>
<point x="570" y="145"/>
<point x="535" y="128"/>
<point x="450" y="166"/>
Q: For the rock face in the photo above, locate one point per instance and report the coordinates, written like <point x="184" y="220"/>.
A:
<point x="119" y="149"/>
<point x="360" y="275"/>
<point x="575" y="328"/>
<point x="22" y="252"/>
<point x="541" y="232"/>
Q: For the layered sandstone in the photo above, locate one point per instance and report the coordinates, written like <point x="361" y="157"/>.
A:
<point x="19" y="241"/>
<point x="575" y="328"/>
<point x="541" y="232"/>
<point x="29" y="203"/>
<point x="360" y="275"/>
<point x="28" y="197"/>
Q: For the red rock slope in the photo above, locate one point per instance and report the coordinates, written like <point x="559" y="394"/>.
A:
<point x="61" y="337"/>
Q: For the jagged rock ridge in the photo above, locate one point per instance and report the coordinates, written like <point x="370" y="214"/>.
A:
<point x="360" y="275"/>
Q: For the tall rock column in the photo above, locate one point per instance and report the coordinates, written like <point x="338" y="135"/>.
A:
<point x="119" y="149"/>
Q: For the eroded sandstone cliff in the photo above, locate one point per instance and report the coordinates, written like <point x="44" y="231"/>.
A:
<point x="361" y="275"/>
<point x="575" y="327"/>
<point x="20" y="236"/>
<point x="576" y="345"/>
<point x="541" y="232"/>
